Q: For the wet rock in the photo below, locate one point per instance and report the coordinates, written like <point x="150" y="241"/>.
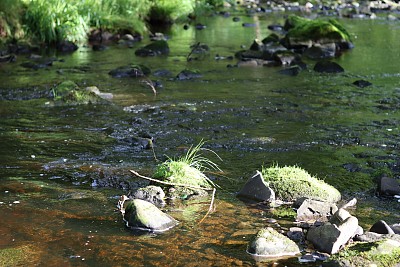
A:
<point x="308" y="209"/>
<point x="362" y="83"/>
<point x="95" y="90"/>
<point x="381" y="227"/>
<point x="396" y="228"/>
<point x="39" y="64"/>
<point x="99" y="47"/>
<point x="152" y="194"/>
<point x="331" y="236"/>
<point x="200" y="26"/>
<point x="69" y="93"/>
<point x="295" y="233"/>
<point x="321" y="51"/>
<point x="269" y="243"/>
<point x="188" y="75"/>
<point x="142" y="215"/>
<point x="388" y="186"/>
<point x="285" y="57"/>
<point x="235" y="19"/>
<point x="154" y="49"/>
<point x="8" y="58"/>
<point x="271" y="39"/>
<point x="275" y="28"/>
<point x="248" y="63"/>
<point x="66" y="47"/>
<point x="328" y="67"/>
<point x="256" y="189"/>
<point x="133" y="71"/>
<point x="291" y="71"/>
<point x="248" y="25"/>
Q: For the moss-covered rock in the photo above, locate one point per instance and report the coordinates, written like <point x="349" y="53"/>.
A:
<point x="69" y="93"/>
<point x="306" y="32"/>
<point x="143" y="215"/>
<point x="291" y="183"/>
<point x="269" y="243"/>
<point x="154" y="49"/>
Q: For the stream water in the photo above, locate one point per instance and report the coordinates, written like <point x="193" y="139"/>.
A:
<point x="53" y="213"/>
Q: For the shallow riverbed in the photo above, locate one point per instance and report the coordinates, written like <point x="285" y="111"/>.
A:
<point x="54" y="213"/>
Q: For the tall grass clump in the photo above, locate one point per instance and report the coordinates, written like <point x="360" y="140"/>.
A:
<point x="10" y="23"/>
<point x="53" y="21"/>
<point x="188" y="169"/>
<point x="168" y="11"/>
<point x="116" y="15"/>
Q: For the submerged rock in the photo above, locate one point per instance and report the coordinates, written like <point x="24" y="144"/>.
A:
<point x="188" y="75"/>
<point x="328" y="67"/>
<point x="69" y="93"/>
<point x="256" y="189"/>
<point x="268" y="243"/>
<point x="362" y="83"/>
<point x="154" y="49"/>
<point x="67" y="47"/>
<point x="142" y="215"/>
<point x="133" y="71"/>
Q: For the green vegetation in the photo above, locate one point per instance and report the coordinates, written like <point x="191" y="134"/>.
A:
<point x="69" y="93"/>
<point x="53" y="21"/>
<point x="292" y="182"/>
<point x="188" y="169"/>
<point x="380" y="253"/>
<point x="307" y="29"/>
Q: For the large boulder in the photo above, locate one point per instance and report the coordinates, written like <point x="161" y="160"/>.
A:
<point x="291" y="183"/>
<point x="309" y="209"/>
<point x="388" y="186"/>
<point x="142" y="215"/>
<point x="332" y="236"/>
<point x="256" y="189"/>
<point x="269" y="243"/>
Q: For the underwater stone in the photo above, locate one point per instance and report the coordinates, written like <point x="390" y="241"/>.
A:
<point x="328" y="67"/>
<point x="154" y="49"/>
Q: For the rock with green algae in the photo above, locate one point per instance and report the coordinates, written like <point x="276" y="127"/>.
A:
<point x="359" y="254"/>
<point x="143" y="215"/>
<point x="303" y="32"/>
<point x="69" y="93"/>
<point x="268" y="243"/>
<point x="291" y="183"/>
<point x="154" y="49"/>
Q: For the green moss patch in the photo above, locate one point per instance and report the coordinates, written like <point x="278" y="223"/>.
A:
<point x="382" y="253"/>
<point x="306" y="29"/>
<point x="70" y="93"/>
<point x="292" y="182"/>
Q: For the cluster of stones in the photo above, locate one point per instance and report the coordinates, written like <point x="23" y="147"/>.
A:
<point x="327" y="227"/>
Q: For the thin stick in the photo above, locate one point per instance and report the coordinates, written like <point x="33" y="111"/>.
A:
<point x="168" y="183"/>
<point x="210" y="208"/>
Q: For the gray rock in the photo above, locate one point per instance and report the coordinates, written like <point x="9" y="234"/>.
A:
<point x="269" y="243"/>
<point x="153" y="194"/>
<point x="308" y="209"/>
<point x="154" y="49"/>
<point x="256" y="189"/>
<point x="331" y="236"/>
<point x="142" y="215"/>
<point x="322" y="51"/>
<point x="381" y="227"/>
<point x="396" y="228"/>
<point x="389" y="186"/>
